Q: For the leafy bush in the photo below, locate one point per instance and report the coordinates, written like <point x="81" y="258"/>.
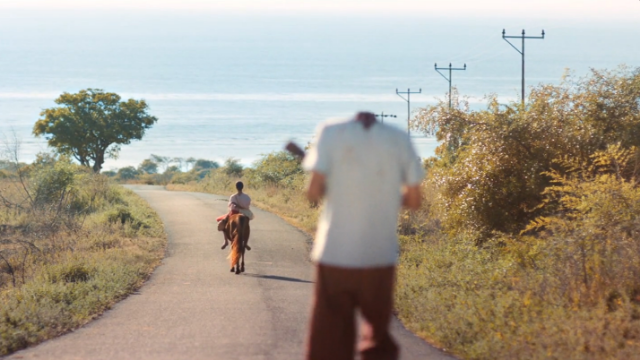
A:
<point x="51" y="183"/>
<point x="127" y="173"/>
<point x="147" y="166"/>
<point x="591" y="243"/>
<point x="232" y="167"/>
<point x="492" y="165"/>
<point x="277" y="168"/>
<point x="202" y="164"/>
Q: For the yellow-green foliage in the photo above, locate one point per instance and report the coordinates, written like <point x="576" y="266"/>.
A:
<point x="277" y="169"/>
<point x="539" y="254"/>
<point x="592" y="240"/>
<point x="491" y="166"/>
<point x="71" y="245"/>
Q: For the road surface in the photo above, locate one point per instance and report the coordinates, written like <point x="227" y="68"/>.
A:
<point x="192" y="307"/>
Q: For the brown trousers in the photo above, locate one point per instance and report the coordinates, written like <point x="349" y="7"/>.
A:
<point x="338" y="293"/>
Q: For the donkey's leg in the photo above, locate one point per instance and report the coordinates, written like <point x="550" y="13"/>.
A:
<point x="242" y="261"/>
<point x="246" y="243"/>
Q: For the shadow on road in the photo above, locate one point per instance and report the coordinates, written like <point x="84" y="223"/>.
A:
<point x="275" y="277"/>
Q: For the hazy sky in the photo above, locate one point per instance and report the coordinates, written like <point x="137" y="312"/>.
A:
<point x="570" y="9"/>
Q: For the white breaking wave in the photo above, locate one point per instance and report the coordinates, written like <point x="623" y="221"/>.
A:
<point x="267" y="97"/>
<point x="308" y="97"/>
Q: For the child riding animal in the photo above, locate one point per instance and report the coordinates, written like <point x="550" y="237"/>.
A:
<point x="239" y="203"/>
<point x="235" y="226"/>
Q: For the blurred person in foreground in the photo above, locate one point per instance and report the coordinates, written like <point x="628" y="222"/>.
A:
<point x="366" y="171"/>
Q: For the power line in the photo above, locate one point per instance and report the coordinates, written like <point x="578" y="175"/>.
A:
<point x="521" y="51"/>
<point x="382" y="115"/>
<point x="448" y="79"/>
<point x="408" y="100"/>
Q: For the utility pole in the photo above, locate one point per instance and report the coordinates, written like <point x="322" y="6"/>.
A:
<point x="521" y="51"/>
<point x="408" y="100"/>
<point x="381" y="116"/>
<point x="448" y="79"/>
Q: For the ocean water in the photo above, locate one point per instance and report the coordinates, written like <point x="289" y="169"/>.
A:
<point x="241" y="86"/>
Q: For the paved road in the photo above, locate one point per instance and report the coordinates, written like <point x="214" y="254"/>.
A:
<point x="194" y="308"/>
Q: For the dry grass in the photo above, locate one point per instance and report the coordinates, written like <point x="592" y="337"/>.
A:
<point x="67" y="258"/>
<point x="481" y="305"/>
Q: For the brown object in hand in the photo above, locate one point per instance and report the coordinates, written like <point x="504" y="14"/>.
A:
<point x="294" y="149"/>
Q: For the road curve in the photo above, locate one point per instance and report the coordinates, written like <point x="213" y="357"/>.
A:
<point x="192" y="307"/>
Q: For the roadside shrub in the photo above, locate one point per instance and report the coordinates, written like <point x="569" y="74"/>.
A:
<point x="277" y="168"/>
<point x="232" y="167"/>
<point x="52" y="182"/>
<point x="70" y="272"/>
<point x="591" y="243"/>
<point x="119" y="214"/>
<point x="184" y="178"/>
<point x="147" y="166"/>
<point x="492" y="166"/>
<point x="203" y="164"/>
<point x="127" y="173"/>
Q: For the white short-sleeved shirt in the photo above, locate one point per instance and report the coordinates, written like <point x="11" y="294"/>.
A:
<point x="243" y="200"/>
<point x="365" y="170"/>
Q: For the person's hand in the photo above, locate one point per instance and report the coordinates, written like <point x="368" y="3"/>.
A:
<point x="317" y="187"/>
<point x="235" y="205"/>
<point x="412" y="197"/>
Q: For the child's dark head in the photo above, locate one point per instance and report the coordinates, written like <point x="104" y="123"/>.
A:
<point x="239" y="185"/>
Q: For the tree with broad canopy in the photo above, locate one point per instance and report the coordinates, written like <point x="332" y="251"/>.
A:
<point x="92" y="125"/>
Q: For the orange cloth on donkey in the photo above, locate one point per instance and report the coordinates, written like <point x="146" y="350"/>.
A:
<point x="222" y="217"/>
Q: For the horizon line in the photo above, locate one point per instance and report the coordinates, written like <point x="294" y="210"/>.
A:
<point x="542" y="9"/>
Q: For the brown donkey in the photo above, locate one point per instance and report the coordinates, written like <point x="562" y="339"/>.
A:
<point x="237" y="229"/>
